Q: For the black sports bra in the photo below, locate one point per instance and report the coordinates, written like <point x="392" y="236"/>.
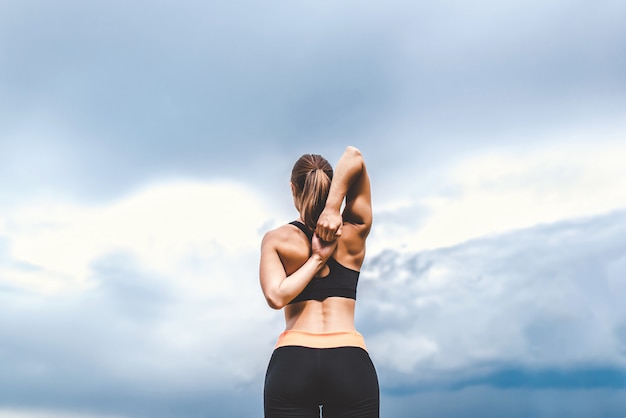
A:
<point x="340" y="281"/>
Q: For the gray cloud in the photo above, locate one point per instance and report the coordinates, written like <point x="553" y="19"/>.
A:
<point x="535" y="299"/>
<point x="99" y="97"/>
<point x="532" y="310"/>
<point x="515" y="403"/>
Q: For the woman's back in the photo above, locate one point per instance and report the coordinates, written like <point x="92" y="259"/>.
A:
<point x="334" y="313"/>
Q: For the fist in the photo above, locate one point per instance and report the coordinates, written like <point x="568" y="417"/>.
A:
<point x="329" y="225"/>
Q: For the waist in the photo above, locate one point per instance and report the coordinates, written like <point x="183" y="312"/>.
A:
<point x="349" y="338"/>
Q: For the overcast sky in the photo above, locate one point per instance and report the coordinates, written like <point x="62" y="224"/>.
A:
<point x="146" y="147"/>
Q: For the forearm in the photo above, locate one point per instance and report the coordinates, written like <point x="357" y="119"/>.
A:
<point x="348" y="169"/>
<point x="292" y="285"/>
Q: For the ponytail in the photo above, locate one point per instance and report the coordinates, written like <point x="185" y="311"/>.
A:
<point x="311" y="176"/>
<point x="313" y="200"/>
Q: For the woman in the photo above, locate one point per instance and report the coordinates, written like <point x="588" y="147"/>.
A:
<point x="310" y="268"/>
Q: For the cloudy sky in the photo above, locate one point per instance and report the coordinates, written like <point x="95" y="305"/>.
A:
<point x="146" y="146"/>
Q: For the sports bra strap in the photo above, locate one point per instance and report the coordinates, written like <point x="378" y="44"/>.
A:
<point x="303" y="228"/>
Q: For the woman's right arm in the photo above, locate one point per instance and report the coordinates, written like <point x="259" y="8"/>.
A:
<point x="350" y="181"/>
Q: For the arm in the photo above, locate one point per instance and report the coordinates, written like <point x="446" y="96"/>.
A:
<point x="351" y="182"/>
<point x="279" y="288"/>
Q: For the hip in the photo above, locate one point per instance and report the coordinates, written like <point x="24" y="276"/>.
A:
<point x="348" y="338"/>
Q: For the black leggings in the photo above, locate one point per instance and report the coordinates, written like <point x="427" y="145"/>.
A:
<point x="300" y="379"/>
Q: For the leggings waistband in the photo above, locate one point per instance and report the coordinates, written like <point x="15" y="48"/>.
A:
<point x="349" y="338"/>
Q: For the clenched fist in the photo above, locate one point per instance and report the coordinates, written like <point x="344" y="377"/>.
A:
<point x="329" y="225"/>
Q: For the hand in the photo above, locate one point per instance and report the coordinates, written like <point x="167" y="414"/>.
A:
<point x="329" y="225"/>
<point x="324" y="249"/>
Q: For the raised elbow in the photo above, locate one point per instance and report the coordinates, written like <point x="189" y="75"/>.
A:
<point x="353" y="154"/>
<point x="354" y="151"/>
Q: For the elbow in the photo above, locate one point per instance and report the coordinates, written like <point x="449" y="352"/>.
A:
<point x="353" y="151"/>
<point x="273" y="292"/>
<point x="355" y="155"/>
<point x="274" y="303"/>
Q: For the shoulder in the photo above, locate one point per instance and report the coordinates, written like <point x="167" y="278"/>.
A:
<point x="289" y="244"/>
<point x="279" y="235"/>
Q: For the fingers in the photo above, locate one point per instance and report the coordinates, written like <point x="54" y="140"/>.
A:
<point x="323" y="248"/>
<point x="321" y="231"/>
<point x="329" y="225"/>
<point x="327" y="232"/>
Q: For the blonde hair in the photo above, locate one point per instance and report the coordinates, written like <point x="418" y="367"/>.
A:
<point x="311" y="176"/>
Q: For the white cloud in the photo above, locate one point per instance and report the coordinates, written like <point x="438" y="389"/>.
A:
<point x="497" y="192"/>
<point x="161" y="286"/>
<point x="402" y="357"/>
<point x="177" y="229"/>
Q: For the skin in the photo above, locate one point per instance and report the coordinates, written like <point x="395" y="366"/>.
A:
<point x="287" y="265"/>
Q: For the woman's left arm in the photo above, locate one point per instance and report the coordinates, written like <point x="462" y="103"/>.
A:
<point x="278" y="287"/>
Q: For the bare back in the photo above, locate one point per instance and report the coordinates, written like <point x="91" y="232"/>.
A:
<point x="333" y="313"/>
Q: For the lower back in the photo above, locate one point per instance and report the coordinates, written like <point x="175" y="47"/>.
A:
<point x="333" y="314"/>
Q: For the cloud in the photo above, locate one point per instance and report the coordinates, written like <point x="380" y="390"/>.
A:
<point x="186" y="96"/>
<point x="127" y="301"/>
<point x="538" y="298"/>
<point x="502" y="191"/>
<point x="406" y="356"/>
<point x="512" y="403"/>
<point x="172" y="228"/>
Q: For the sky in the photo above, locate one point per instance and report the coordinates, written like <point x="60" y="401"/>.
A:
<point x="146" y="147"/>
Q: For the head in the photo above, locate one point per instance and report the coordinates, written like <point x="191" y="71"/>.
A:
<point x="310" y="182"/>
